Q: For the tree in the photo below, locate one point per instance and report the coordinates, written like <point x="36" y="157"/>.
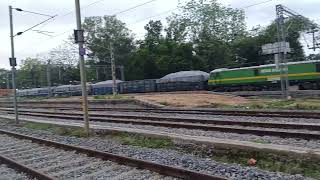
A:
<point x="100" y="32"/>
<point x="3" y="78"/>
<point x="203" y="18"/>
<point x="158" y="55"/>
<point x="314" y="57"/>
<point x="32" y="74"/>
<point x="211" y="28"/>
<point x="65" y="55"/>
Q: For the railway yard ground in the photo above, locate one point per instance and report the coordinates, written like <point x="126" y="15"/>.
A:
<point x="204" y="135"/>
<point x="208" y="99"/>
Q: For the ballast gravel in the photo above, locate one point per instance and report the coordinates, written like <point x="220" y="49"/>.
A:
<point x="65" y="164"/>
<point x="8" y="173"/>
<point x="212" y="117"/>
<point x="294" y="142"/>
<point x="164" y="156"/>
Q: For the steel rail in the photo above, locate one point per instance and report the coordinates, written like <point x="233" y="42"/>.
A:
<point x="229" y="112"/>
<point x="245" y="130"/>
<point x="95" y="116"/>
<point x="152" y="166"/>
<point x="28" y="170"/>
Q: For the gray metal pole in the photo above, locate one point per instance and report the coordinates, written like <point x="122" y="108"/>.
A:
<point x="82" y="72"/>
<point x="59" y="74"/>
<point x="280" y="27"/>
<point x="15" y="104"/>
<point x="113" y="70"/>
<point x="122" y="72"/>
<point x="8" y="81"/>
<point x="49" y="78"/>
<point x="97" y="74"/>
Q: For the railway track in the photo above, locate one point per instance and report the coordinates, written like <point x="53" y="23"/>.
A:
<point x="48" y="160"/>
<point x="197" y="111"/>
<point x="286" y="130"/>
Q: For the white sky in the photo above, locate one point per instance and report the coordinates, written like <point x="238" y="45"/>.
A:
<point x="32" y="44"/>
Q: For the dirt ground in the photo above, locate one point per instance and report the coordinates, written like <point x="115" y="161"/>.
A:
<point x="192" y="99"/>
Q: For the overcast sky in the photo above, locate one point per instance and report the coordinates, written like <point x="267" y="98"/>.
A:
<point x="32" y="44"/>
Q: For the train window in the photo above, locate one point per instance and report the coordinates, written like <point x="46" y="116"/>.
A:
<point x="256" y="72"/>
<point x="318" y="67"/>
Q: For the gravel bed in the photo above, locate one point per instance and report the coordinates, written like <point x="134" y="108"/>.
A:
<point x="65" y="164"/>
<point x="9" y="173"/>
<point x="164" y="156"/>
<point x="214" y="117"/>
<point x="294" y="142"/>
<point x="204" y="117"/>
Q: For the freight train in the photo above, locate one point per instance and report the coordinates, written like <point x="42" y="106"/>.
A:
<point x="180" y="81"/>
<point x="304" y="75"/>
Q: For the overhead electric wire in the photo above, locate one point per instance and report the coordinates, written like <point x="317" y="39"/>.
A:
<point x="256" y="4"/>
<point x="31" y="12"/>
<point x="19" y="33"/>
<point x="120" y="12"/>
<point x="159" y="14"/>
<point x="70" y="12"/>
<point x="134" y="7"/>
<point x="95" y="2"/>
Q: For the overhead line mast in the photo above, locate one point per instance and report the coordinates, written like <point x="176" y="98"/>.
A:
<point x="281" y="11"/>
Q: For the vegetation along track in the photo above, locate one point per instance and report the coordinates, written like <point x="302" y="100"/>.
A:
<point x="54" y="160"/>
<point x="206" y="111"/>
<point x="287" y="130"/>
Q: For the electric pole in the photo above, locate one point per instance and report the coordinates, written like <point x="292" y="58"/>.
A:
<point x="13" y="64"/>
<point x="122" y="73"/>
<point x="8" y="81"/>
<point x="80" y="40"/>
<point x="97" y="74"/>
<point x="49" y="78"/>
<point x="59" y="73"/>
<point x="315" y="45"/>
<point x="113" y="70"/>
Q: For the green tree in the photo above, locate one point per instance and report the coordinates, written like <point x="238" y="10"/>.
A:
<point x="211" y="28"/>
<point x="3" y="78"/>
<point x="100" y="32"/>
<point x="203" y="18"/>
<point x="32" y="74"/>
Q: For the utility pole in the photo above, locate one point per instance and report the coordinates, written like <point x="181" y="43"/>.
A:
<point x="122" y="73"/>
<point x="314" y="44"/>
<point x="80" y="40"/>
<point x="49" y="78"/>
<point x="13" y="64"/>
<point x="97" y="74"/>
<point x="59" y="74"/>
<point x="113" y="70"/>
<point x="8" y="81"/>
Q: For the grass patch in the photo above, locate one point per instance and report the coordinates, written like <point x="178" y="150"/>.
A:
<point x="99" y="97"/>
<point x="142" y="141"/>
<point x="36" y="98"/>
<point x="164" y="103"/>
<point x="117" y="96"/>
<point x="298" y="104"/>
<point x="217" y="105"/>
<point x="308" y="167"/>
<point x="261" y="141"/>
<point x="65" y="131"/>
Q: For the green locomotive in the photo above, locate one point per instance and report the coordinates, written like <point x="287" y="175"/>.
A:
<point x="302" y="74"/>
